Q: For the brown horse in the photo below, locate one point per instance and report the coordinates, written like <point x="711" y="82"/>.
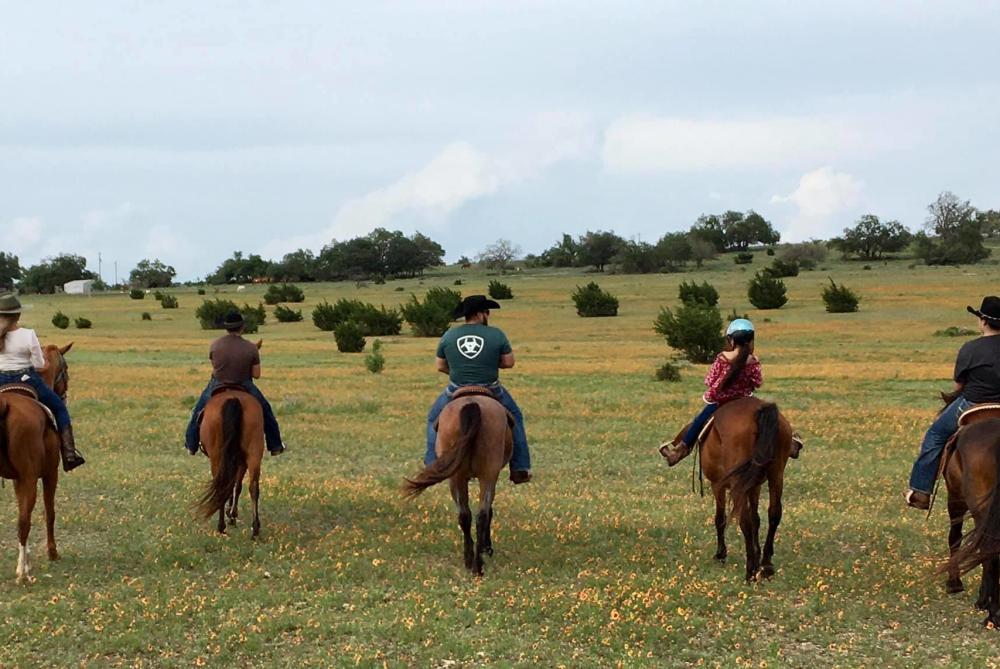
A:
<point x="474" y="440"/>
<point x="749" y="443"/>
<point x="29" y="451"/>
<point x="971" y="475"/>
<point x="232" y="434"/>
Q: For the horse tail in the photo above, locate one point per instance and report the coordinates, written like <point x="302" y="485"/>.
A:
<point x="983" y="542"/>
<point x="753" y="472"/>
<point x="220" y="489"/>
<point x="470" y="420"/>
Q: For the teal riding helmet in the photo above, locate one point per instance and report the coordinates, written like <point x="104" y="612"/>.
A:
<point x="739" y="325"/>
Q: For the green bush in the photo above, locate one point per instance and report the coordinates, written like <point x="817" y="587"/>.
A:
<point x="169" y="302"/>
<point x="374" y="360"/>
<point x="782" y="268"/>
<point x="500" y="291"/>
<point x="137" y="293"/>
<point x="770" y="250"/>
<point x="82" y="323"/>
<point x="457" y="282"/>
<point x="427" y="318"/>
<point x="668" y="371"/>
<point x="732" y="316"/>
<point x="766" y="292"/>
<point x="60" y="320"/>
<point x="695" y="330"/>
<point x="146" y="316"/>
<point x="257" y="314"/>
<point x="211" y="313"/>
<point x="286" y="292"/>
<point x="743" y="258"/>
<point x="591" y="301"/>
<point x="350" y="338"/>
<point x="287" y="315"/>
<point x="956" y="332"/>
<point x="374" y="321"/>
<point x="446" y="298"/>
<point x="157" y="295"/>
<point x="840" y="299"/>
<point x="693" y="293"/>
<point x="201" y="291"/>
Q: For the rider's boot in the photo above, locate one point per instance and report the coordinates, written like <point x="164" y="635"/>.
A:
<point x="520" y="476"/>
<point x="71" y="458"/>
<point x="674" y="455"/>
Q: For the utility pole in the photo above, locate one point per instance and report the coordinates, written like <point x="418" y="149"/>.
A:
<point x="99" y="265"/>
<point x="116" y="272"/>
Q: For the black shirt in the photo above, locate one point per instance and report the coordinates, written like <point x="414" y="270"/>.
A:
<point x="978" y="367"/>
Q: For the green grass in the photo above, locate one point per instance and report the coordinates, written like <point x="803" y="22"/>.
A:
<point x="603" y="560"/>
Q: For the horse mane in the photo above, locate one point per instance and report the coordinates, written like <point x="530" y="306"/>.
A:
<point x="948" y="398"/>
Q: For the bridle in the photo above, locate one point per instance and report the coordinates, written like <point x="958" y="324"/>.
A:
<point x="62" y="377"/>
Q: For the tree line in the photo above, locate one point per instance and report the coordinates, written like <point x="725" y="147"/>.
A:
<point x="954" y="233"/>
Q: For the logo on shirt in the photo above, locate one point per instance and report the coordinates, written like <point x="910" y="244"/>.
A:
<point x="470" y="346"/>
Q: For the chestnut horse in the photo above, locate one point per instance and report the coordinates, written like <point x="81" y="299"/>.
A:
<point x="971" y="475"/>
<point x="474" y="440"/>
<point x="232" y="435"/>
<point x="749" y="443"/>
<point x="29" y="450"/>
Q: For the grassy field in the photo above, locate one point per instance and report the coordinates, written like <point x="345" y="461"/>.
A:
<point x="605" y="559"/>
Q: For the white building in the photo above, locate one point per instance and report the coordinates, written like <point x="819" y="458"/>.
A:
<point x="78" y="287"/>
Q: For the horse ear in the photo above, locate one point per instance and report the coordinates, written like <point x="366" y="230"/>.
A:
<point x="65" y="349"/>
<point x="260" y="342"/>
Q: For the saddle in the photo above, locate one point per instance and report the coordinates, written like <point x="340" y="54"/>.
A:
<point x="26" y="390"/>
<point x="227" y="387"/>
<point x="974" y="414"/>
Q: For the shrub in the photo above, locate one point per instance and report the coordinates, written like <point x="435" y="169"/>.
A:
<point x="500" y="291"/>
<point x="211" y="313"/>
<point x="457" y="282"/>
<point x="732" y="316"/>
<point x="82" y="323"/>
<point x="766" y="292"/>
<point x="770" y="250"/>
<point x="807" y="254"/>
<point x="693" y="293"/>
<point x="695" y="330"/>
<point x="956" y="332"/>
<point x="782" y="268"/>
<point x="374" y="360"/>
<point x="840" y="299"/>
<point x="287" y="315"/>
<point x="867" y="268"/>
<point x="60" y="320"/>
<point x="146" y="316"/>
<point x="399" y="289"/>
<point x="743" y="258"/>
<point x="201" y="291"/>
<point x="349" y="337"/>
<point x="137" y="293"/>
<point x="157" y="295"/>
<point x="286" y="292"/>
<point x="668" y="371"/>
<point x="373" y="320"/>
<point x="427" y="319"/>
<point x="169" y="302"/>
<point x="446" y="298"/>
<point x="591" y="301"/>
<point x="257" y="314"/>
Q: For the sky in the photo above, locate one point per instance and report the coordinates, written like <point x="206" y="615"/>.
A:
<point x="187" y="130"/>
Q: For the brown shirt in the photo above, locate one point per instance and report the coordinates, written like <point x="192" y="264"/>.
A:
<point x="233" y="358"/>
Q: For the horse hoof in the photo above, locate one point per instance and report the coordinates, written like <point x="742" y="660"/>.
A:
<point x="488" y="550"/>
<point x="53" y="555"/>
<point x="767" y="572"/>
<point x="721" y="559"/>
<point x="991" y="623"/>
<point x="954" y="586"/>
<point x="981" y="605"/>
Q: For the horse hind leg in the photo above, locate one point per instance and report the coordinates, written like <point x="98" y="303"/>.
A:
<point x="27" y="493"/>
<point x="486" y="492"/>
<point x="49" y="498"/>
<point x="254" y="499"/>
<point x="774" y="489"/>
<point x="956" y="513"/>
<point x="721" y="518"/>
<point x="460" y="493"/>
<point x="750" y="524"/>
<point x="991" y="580"/>
<point x="232" y="506"/>
<point x="488" y="548"/>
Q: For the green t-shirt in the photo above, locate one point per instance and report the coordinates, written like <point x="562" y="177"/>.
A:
<point x="473" y="353"/>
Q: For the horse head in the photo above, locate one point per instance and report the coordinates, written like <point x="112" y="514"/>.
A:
<point x="56" y="369"/>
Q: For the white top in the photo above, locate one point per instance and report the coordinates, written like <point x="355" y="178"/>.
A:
<point x="21" y="349"/>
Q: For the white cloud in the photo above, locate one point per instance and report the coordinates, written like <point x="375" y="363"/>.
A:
<point x="458" y="174"/>
<point x="25" y="232"/>
<point x="663" y="144"/>
<point x="819" y="197"/>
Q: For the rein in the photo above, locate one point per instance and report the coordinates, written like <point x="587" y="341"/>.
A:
<point x="62" y="376"/>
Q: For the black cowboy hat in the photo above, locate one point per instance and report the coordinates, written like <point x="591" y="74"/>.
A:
<point x="989" y="310"/>
<point x="232" y="321"/>
<point x="474" y="304"/>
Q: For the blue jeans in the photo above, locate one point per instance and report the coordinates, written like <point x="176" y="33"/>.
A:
<point x="272" y="435"/>
<point x="46" y="395"/>
<point x="698" y="424"/>
<point x="941" y="430"/>
<point x="519" y="460"/>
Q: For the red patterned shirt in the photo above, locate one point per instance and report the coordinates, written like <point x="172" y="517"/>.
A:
<point x="743" y="385"/>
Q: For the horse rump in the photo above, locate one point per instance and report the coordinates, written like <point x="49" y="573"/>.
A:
<point x="470" y="420"/>
<point x="983" y="542"/>
<point x="753" y="472"/>
<point x="220" y="489"/>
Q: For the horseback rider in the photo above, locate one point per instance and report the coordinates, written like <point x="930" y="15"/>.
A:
<point x="472" y="355"/>
<point x="977" y="381"/>
<point x="22" y="361"/>
<point x="235" y="362"/>
<point x="734" y="374"/>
